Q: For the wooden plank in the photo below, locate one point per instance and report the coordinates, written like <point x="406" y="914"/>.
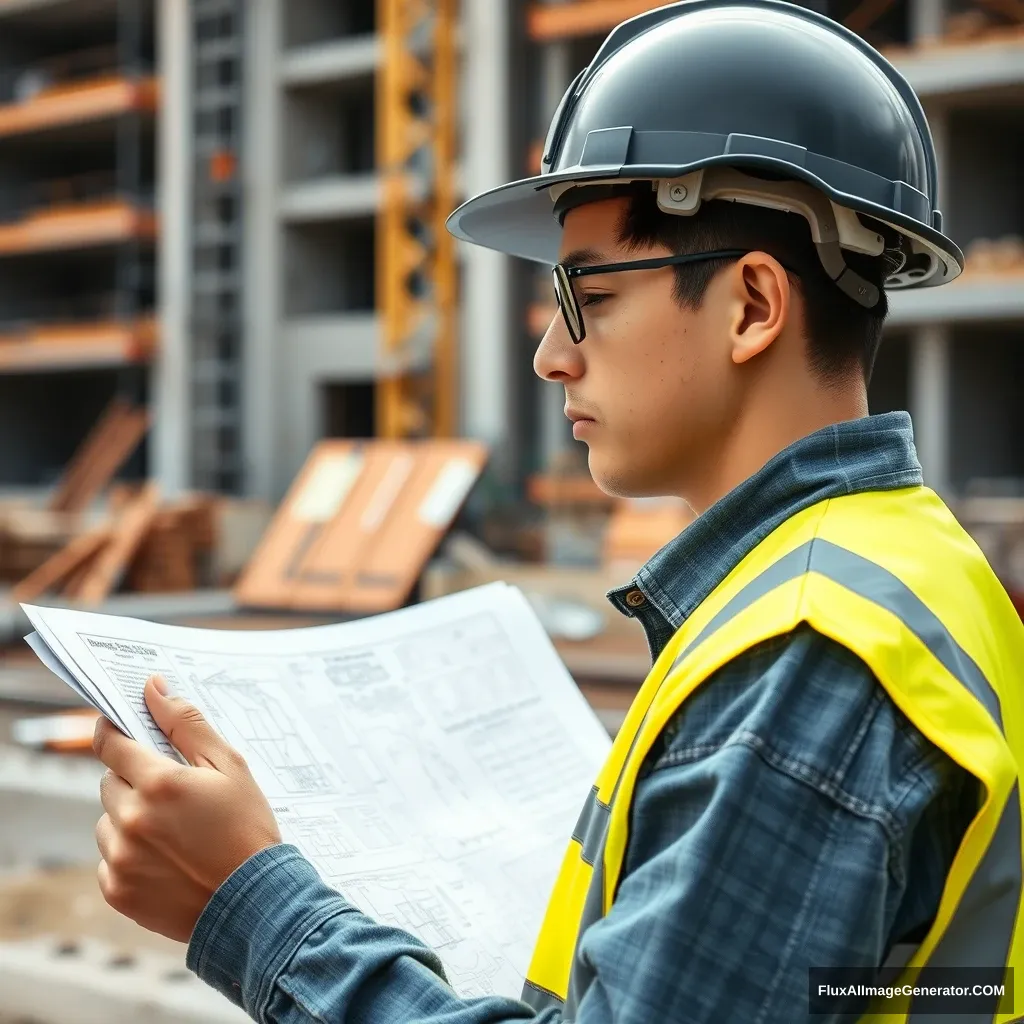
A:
<point x="76" y="103"/>
<point x="77" y="225"/>
<point x="108" y="446"/>
<point x="61" y="565"/>
<point x="129" y="532"/>
<point x="65" y="497"/>
<point x="358" y="526"/>
<point x="72" y="586"/>
<point x="101" y="344"/>
<point x="550" y="22"/>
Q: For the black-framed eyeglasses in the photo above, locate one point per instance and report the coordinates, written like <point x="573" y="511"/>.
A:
<point x="569" y="303"/>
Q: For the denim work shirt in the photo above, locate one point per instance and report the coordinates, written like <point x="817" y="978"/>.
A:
<point x="790" y="816"/>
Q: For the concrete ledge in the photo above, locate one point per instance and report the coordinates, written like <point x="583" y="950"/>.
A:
<point x="89" y="983"/>
<point x="331" y="62"/>
<point x="972" y="298"/>
<point x="341" y="346"/>
<point x="334" y="198"/>
<point x="970" y="67"/>
<point x="49" y="806"/>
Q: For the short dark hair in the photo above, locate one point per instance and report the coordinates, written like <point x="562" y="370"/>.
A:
<point x="841" y="334"/>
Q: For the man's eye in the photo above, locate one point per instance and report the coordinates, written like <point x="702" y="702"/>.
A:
<point x="592" y="298"/>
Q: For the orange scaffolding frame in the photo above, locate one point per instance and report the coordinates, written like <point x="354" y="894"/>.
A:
<point x="417" y="276"/>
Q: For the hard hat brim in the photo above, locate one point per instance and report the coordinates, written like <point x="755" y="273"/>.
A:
<point x="518" y="219"/>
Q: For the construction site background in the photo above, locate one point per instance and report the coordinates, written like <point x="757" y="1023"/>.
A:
<point x="248" y="381"/>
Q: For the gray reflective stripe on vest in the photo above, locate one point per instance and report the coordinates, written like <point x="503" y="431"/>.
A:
<point x="979" y="934"/>
<point x="590" y="833"/>
<point x="982" y="926"/>
<point x="591" y="827"/>
<point x="878" y="585"/>
<point x="538" y="998"/>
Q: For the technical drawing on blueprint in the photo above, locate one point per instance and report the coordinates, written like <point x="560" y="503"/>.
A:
<point x="431" y="763"/>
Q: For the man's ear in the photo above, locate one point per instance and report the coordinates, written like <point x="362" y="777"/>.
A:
<point x="759" y="306"/>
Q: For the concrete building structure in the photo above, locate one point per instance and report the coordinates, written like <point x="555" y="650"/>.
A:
<point x="270" y="335"/>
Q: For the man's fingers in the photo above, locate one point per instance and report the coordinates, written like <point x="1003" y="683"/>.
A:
<point x="116" y="796"/>
<point x="189" y="732"/>
<point x="123" y="756"/>
<point x="106" y="835"/>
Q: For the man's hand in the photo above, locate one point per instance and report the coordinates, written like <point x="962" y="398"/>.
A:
<point x="173" y="833"/>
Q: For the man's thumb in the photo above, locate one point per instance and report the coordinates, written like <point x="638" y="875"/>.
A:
<point x="186" y="728"/>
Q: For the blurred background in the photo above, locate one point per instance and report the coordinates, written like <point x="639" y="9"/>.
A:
<point x="248" y="381"/>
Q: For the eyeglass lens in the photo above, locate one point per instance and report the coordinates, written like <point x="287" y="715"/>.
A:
<point x="567" y="304"/>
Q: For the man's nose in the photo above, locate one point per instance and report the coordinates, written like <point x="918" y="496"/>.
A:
<point x="557" y="358"/>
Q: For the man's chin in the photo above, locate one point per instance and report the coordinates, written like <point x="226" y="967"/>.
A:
<point x="621" y="479"/>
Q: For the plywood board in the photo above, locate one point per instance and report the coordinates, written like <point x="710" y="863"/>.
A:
<point x="359" y="525"/>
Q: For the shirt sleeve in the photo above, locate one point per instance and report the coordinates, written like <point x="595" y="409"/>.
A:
<point x="746" y="865"/>
<point x="289" y="949"/>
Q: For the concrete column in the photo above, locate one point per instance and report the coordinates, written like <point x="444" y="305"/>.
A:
<point x="930" y="357"/>
<point x="264" y="398"/>
<point x="555" y="431"/>
<point x="931" y="345"/>
<point x="927" y="18"/>
<point x="486" y="389"/>
<point x="170" y="443"/>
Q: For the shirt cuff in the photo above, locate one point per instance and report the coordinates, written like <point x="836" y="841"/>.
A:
<point x="256" y="920"/>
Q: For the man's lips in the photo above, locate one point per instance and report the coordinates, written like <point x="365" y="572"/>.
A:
<point x="576" y="416"/>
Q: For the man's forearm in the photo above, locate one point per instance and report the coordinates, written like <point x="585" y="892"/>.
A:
<point x="289" y="950"/>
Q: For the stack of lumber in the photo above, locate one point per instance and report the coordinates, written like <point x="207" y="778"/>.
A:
<point x="30" y="534"/>
<point x="84" y="553"/>
<point x="142" y="544"/>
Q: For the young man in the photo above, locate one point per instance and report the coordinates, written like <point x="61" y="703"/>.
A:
<point x="822" y="768"/>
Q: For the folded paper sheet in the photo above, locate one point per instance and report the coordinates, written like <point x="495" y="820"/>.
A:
<point x="431" y="762"/>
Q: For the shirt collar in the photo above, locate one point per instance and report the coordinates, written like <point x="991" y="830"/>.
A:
<point x="872" y="453"/>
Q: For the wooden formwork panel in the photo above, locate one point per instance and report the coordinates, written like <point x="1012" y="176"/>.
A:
<point x="359" y="524"/>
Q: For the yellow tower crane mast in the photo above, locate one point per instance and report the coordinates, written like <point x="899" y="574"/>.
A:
<point x="417" y="275"/>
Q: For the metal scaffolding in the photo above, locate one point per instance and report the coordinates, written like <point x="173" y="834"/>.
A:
<point x="417" y="273"/>
<point x="216" y="300"/>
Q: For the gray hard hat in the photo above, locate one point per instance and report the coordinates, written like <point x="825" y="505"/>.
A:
<point x="757" y="101"/>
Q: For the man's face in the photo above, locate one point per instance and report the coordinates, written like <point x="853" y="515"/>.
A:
<point x="656" y="388"/>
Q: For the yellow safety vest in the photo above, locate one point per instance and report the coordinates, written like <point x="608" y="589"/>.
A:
<point x="893" y="577"/>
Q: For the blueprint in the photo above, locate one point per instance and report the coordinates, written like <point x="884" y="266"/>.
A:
<point x="431" y="763"/>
